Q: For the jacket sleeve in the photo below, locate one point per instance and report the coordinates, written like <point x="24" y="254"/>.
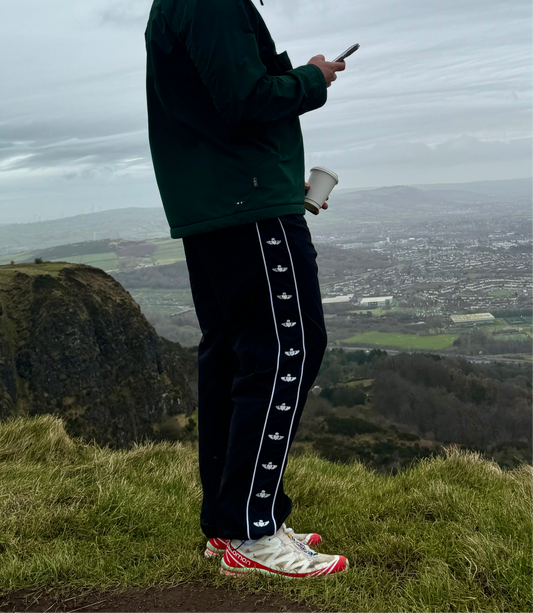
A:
<point x="223" y="47"/>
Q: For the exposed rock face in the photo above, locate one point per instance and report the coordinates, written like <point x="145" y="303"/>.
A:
<point x="74" y="343"/>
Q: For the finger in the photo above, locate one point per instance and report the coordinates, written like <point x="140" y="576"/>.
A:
<point x="339" y="66"/>
<point x="325" y="206"/>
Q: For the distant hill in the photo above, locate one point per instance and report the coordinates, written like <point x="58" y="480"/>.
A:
<point x="73" y="343"/>
<point x="353" y="206"/>
<point x="422" y="203"/>
<point x="514" y="188"/>
<point x="129" y="224"/>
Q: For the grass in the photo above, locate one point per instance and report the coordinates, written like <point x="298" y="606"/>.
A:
<point x="449" y="534"/>
<point x="7" y="271"/>
<point x="407" y="341"/>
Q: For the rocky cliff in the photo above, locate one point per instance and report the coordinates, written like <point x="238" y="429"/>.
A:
<point x="73" y="343"/>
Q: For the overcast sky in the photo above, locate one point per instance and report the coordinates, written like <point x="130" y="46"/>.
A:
<point x="440" y="91"/>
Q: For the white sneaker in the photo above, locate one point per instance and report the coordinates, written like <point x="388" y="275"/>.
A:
<point x="280" y="554"/>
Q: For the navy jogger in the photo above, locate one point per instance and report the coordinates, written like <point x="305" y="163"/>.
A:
<point x="257" y="298"/>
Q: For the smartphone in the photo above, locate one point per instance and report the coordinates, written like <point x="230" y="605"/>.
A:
<point x="347" y="53"/>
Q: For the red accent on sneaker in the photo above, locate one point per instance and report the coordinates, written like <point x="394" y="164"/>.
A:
<point x="215" y="547"/>
<point x="313" y="539"/>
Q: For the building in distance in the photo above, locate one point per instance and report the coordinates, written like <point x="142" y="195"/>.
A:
<point x="337" y="299"/>
<point x="473" y="318"/>
<point x="376" y="302"/>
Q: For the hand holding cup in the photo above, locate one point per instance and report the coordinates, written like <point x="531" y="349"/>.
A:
<point x="307" y="188"/>
<point x="321" y="184"/>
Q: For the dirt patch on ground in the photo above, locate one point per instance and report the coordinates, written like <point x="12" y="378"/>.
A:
<point x="189" y="597"/>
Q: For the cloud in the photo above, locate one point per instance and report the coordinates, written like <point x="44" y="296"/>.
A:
<point x="461" y="150"/>
<point x="115" y="153"/>
<point x="438" y="91"/>
<point x="395" y="161"/>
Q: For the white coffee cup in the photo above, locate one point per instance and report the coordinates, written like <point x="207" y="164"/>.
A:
<point x="322" y="181"/>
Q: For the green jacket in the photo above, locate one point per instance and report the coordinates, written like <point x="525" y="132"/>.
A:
<point x="223" y="112"/>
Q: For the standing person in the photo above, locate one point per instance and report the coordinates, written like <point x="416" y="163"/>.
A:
<point x="226" y="143"/>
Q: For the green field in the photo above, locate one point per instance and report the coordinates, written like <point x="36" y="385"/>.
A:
<point x="168" y="251"/>
<point x="407" y="341"/>
<point x="520" y="338"/>
<point x="168" y="300"/>
<point x="105" y="261"/>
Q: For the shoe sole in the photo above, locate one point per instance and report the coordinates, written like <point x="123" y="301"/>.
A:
<point x="236" y="572"/>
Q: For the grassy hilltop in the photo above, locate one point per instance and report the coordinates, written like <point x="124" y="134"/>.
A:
<point x="449" y="534"/>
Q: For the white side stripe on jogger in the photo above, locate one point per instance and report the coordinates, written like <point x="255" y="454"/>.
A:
<point x="302" y="371"/>
<point x="271" y="397"/>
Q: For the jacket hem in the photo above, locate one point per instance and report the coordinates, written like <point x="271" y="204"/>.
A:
<point x="237" y="219"/>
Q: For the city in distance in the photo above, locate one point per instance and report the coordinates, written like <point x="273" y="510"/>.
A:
<point x="396" y="264"/>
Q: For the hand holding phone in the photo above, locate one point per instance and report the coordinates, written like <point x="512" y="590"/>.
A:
<point x="329" y="69"/>
<point x="347" y="53"/>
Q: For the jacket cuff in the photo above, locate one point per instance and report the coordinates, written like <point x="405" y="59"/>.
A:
<point x="313" y="85"/>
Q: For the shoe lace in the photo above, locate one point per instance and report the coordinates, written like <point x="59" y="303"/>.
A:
<point x="305" y="548"/>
